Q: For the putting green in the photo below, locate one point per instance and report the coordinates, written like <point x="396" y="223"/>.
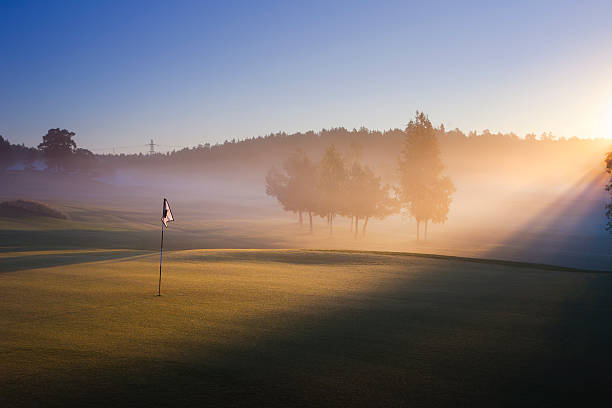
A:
<point x="292" y="327"/>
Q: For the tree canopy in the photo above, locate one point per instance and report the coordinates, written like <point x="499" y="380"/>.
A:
<point x="57" y="147"/>
<point x="329" y="189"/>
<point x="332" y="188"/>
<point x="609" y="189"/>
<point x="295" y="187"/>
<point x="424" y="191"/>
<point x="332" y="184"/>
<point x="61" y="153"/>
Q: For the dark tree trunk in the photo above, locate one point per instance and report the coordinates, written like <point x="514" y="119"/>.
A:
<point x="352" y="223"/>
<point x="365" y="224"/>
<point x="356" y="226"/>
<point x="426" y="229"/>
<point x="310" y="219"/>
<point x="331" y="224"/>
<point x="418" y="227"/>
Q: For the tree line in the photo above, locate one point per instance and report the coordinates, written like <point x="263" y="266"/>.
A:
<point x="58" y="149"/>
<point x="335" y="187"/>
<point x="251" y="157"/>
<point x="14" y="153"/>
<point x="608" y="187"/>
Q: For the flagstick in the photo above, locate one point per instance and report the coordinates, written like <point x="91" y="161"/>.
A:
<point x="161" y="251"/>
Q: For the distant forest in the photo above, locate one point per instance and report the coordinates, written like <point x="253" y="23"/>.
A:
<point x="487" y="161"/>
<point x="472" y="152"/>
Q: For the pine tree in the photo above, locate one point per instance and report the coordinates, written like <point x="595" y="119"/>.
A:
<point x="423" y="190"/>
<point x="331" y="186"/>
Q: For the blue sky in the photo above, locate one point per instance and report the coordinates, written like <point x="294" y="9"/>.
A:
<point x="119" y="73"/>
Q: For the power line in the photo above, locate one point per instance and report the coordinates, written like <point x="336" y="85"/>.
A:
<point x="151" y="145"/>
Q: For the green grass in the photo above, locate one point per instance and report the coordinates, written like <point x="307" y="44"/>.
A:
<point x="292" y="327"/>
<point x="21" y="208"/>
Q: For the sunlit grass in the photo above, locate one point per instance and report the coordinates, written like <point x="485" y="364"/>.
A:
<point x="255" y="325"/>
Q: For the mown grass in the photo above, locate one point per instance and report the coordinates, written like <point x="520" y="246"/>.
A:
<point x="21" y="208"/>
<point x="290" y="328"/>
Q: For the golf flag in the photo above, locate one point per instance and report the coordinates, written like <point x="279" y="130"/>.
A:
<point x="166" y="218"/>
<point x="166" y="213"/>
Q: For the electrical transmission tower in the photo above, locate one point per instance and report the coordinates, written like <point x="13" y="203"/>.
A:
<point x="151" y="147"/>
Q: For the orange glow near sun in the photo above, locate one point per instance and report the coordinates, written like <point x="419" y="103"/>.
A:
<point x="608" y="121"/>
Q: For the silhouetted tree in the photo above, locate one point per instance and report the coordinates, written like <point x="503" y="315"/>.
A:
<point x="377" y="201"/>
<point x="352" y="194"/>
<point x="609" y="189"/>
<point x="5" y="151"/>
<point x="366" y="197"/>
<point x="14" y="153"/>
<point x="303" y="177"/>
<point x="332" y="182"/>
<point x="83" y="160"/>
<point x="57" y="147"/>
<point x="423" y="190"/>
<point x="296" y="188"/>
<point x="277" y="187"/>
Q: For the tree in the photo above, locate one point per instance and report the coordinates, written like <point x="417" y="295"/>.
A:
<point x="423" y="190"/>
<point x="329" y="189"/>
<point x="58" y="147"/>
<point x="302" y="184"/>
<point x="366" y="197"/>
<point x="377" y="201"/>
<point x="353" y="194"/>
<point x="609" y="189"/>
<point x="5" y="152"/>
<point x="4" y="145"/>
<point x="331" y="186"/>
<point x="276" y="186"/>
<point x="296" y="188"/>
<point x="83" y="160"/>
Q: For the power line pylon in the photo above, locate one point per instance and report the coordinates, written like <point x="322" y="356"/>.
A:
<point x="151" y="147"/>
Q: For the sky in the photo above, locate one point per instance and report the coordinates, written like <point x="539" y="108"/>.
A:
<point x="119" y="73"/>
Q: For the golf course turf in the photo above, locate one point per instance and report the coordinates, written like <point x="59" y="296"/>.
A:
<point x="298" y="328"/>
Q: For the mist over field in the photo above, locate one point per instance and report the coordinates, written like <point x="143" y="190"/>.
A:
<point x="534" y="200"/>
<point x="502" y="295"/>
<point x="305" y="204"/>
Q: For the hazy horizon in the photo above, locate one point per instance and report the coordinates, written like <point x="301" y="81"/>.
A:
<point x="121" y="74"/>
<point x="347" y="204"/>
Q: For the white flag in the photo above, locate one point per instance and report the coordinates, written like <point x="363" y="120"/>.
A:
<point x="166" y="213"/>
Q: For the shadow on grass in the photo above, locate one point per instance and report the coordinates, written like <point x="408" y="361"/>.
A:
<point x="13" y="240"/>
<point x="347" y="257"/>
<point x="460" y="334"/>
<point x="569" y="231"/>
<point x="20" y="263"/>
<point x="297" y="257"/>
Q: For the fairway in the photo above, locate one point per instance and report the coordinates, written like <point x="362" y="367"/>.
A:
<point x="305" y="204"/>
<point x="292" y="327"/>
